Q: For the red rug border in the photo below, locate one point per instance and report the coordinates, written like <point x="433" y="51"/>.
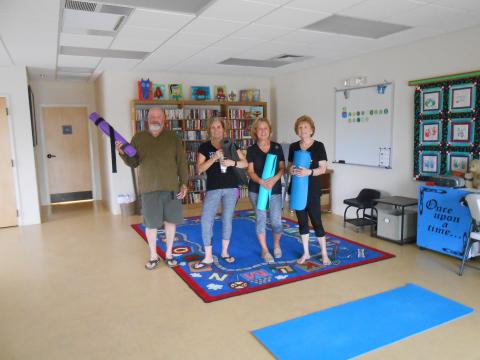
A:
<point x="208" y="298"/>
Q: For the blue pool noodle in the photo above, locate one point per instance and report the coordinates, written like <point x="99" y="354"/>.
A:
<point x="268" y="171"/>
<point x="299" y="191"/>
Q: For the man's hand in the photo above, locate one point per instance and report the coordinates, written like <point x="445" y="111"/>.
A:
<point x="182" y="193"/>
<point x="118" y="146"/>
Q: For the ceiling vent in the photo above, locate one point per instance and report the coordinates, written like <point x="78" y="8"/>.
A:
<point x="80" y="5"/>
<point x="84" y="17"/>
<point x="290" y="58"/>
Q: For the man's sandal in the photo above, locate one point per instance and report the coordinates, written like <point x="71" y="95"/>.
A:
<point x="229" y="259"/>
<point x="171" y="263"/>
<point x="152" y="264"/>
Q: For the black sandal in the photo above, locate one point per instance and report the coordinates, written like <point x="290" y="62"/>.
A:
<point x="152" y="264"/>
<point x="229" y="259"/>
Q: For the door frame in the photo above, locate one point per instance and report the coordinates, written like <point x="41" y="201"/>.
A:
<point x="43" y="152"/>
<point x="14" y="158"/>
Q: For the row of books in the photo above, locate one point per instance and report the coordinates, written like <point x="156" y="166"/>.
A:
<point x="238" y="134"/>
<point x="194" y="135"/>
<point x="198" y="113"/>
<point x="241" y="123"/>
<point x="174" y="124"/>
<point x="196" y="124"/>
<point x="192" y="171"/>
<point x="174" y="114"/>
<point x="191" y="156"/>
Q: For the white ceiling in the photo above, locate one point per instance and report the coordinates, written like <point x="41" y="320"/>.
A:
<point x="32" y="33"/>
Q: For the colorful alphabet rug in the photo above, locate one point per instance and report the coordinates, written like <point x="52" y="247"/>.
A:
<point x="249" y="272"/>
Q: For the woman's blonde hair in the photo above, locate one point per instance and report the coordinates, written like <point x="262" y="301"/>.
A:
<point x="256" y="123"/>
<point x="304" y="119"/>
<point x="222" y="122"/>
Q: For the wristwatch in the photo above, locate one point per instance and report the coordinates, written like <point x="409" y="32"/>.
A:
<point x="235" y="163"/>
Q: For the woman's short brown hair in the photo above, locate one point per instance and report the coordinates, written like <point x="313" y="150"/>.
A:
<point x="210" y="122"/>
<point x="304" y="119"/>
<point x="256" y="123"/>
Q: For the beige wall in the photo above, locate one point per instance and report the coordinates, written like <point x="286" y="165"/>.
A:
<point x="312" y="92"/>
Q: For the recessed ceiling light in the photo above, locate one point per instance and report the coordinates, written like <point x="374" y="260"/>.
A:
<point x="346" y="25"/>
<point x="108" y="53"/>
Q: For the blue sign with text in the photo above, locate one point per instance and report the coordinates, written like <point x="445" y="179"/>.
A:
<point x="443" y="221"/>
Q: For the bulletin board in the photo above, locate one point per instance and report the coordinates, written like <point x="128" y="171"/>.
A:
<point x="364" y="125"/>
<point x="446" y="135"/>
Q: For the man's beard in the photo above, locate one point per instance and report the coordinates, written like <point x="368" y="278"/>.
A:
<point x="155" y="127"/>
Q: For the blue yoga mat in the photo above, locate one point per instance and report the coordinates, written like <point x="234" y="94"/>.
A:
<point x="268" y="171"/>
<point x="355" y="328"/>
<point x="298" y="196"/>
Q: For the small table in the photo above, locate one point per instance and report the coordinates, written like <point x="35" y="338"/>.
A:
<point x="399" y="201"/>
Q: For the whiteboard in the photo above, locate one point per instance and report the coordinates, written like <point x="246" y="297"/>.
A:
<point x="363" y="125"/>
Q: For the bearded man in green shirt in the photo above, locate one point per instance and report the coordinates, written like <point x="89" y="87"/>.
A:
<point x="162" y="181"/>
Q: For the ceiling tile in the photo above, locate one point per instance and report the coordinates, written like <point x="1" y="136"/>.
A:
<point x="263" y="32"/>
<point x="238" y="10"/>
<point x="116" y="64"/>
<point x="190" y="38"/>
<point x="460" y="4"/>
<point x="329" y="6"/>
<point x="38" y="49"/>
<point x="292" y="18"/>
<point x="158" y="19"/>
<point x="40" y="8"/>
<point x="91" y="41"/>
<point x="436" y="17"/>
<point x="144" y="33"/>
<point x="205" y="25"/>
<point x="376" y="9"/>
<point x="238" y="44"/>
<point x="135" y="44"/>
<point x="73" y="61"/>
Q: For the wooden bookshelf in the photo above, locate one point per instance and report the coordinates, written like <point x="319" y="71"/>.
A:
<point x="188" y="118"/>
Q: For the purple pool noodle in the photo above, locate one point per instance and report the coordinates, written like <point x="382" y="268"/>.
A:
<point x="105" y="127"/>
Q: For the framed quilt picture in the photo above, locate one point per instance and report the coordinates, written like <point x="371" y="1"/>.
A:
<point x="220" y="92"/>
<point x="431" y="101"/>
<point x="458" y="161"/>
<point x="429" y="162"/>
<point x="462" y="98"/>
<point x="430" y="132"/>
<point x="200" y="92"/>
<point x="460" y="132"/>
<point x="176" y="91"/>
<point x="159" y="92"/>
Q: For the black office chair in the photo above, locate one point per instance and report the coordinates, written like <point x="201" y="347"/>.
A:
<point x="364" y="201"/>
<point x="473" y="202"/>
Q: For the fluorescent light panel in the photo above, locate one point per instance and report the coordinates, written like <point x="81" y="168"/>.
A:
<point x="356" y="27"/>
<point x="103" y="53"/>
<point x="183" y="6"/>
<point x="254" y="63"/>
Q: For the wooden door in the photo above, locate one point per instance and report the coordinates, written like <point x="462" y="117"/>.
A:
<point x="8" y="203"/>
<point x="67" y="153"/>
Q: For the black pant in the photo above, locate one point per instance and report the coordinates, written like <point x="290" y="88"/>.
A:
<point x="313" y="211"/>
